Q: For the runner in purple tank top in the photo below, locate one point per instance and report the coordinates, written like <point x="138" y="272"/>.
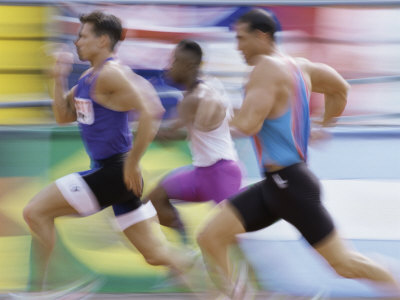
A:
<point x="100" y="103"/>
<point x="205" y="111"/>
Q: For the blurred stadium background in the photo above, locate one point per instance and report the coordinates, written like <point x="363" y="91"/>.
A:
<point x="359" y="165"/>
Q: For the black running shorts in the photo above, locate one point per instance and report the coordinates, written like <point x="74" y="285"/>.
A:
<point x="291" y="194"/>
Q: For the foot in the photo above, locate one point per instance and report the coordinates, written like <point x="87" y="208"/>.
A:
<point x="76" y="290"/>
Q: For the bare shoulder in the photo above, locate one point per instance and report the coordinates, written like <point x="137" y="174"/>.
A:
<point x="301" y="60"/>
<point x="112" y="71"/>
<point x="267" y="64"/>
<point x="113" y="76"/>
<point x="269" y="70"/>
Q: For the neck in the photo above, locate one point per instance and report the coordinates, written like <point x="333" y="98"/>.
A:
<point x="191" y="83"/>
<point x="271" y="51"/>
<point x="97" y="61"/>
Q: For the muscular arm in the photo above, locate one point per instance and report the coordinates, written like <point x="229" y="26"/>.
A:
<point x="210" y="115"/>
<point x="171" y="130"/>
<point x="120" y="91"/>
<point x="63" y="104"/>
<point x="211" y="111"/>
<point x="202" y="108"/>
<point x="327" y="81"/>
<point x="261" y="94"/>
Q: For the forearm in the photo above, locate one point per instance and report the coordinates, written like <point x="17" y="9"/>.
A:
<point x="172" y="130"/>
<point x="334" y="107"/>
<point x="62" y="109"/>
<point x="145" y="133"/>
<point x="236" y="132"/>
<point x="240" y="128"/>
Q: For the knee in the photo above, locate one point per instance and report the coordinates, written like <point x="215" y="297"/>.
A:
<point x="155" y="257"/>
<point x="33" y="216"/>
<point x="207" y="239"/>
<point x="30" y="215"/>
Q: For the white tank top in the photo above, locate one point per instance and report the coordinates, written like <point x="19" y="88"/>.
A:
<point x="209" y="147"/>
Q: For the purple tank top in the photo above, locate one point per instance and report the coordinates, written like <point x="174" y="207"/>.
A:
<point x="105" y="132"/>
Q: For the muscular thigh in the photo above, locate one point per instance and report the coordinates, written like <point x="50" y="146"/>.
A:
<point x="219" y="182"/>
<point x="51" y="202"/>
<point x="181" y="183"/>
<point x="252" y="205"/>
<point x="300" y="204"/>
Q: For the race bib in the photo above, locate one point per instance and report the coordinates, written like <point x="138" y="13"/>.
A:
<point x="84" y="111"/>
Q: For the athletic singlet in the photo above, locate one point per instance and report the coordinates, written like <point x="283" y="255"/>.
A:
<point x="105" y="132"/>
<point x="209" y="147"/>
<point x="283" y="141"/>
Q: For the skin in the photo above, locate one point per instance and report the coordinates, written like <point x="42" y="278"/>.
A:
<point x="268" y="91"/>
<point x="117" y="88"/>
<point x="201" y="109"/>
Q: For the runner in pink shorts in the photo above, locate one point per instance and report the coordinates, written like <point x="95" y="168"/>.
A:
<point x="205" y="111"/>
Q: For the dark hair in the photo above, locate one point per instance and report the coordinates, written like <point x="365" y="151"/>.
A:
<point x="192" y="47"/>
<point x="259" y="19"/>
<point x="104" y="24"/>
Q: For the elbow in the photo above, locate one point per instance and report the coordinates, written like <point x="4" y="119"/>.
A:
<point x="62" y="120"/>
<point x="158" y="113"/>
<point x="250" y="131"/>
<point x="246" y="130"/>
<point x="59" y="120"/>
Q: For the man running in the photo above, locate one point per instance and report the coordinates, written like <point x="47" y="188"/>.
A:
<point x="205" y="111"/>
<point x="275" y="111"/>
<point x="100" y="103"/>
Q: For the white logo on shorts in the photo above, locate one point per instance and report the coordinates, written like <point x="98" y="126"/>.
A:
<point x="84" y="111"/>
<point x="280" y="182"/>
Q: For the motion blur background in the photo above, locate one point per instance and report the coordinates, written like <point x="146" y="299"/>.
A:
<point x="358" y="38"/>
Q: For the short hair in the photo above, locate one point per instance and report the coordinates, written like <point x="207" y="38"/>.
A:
<point x="259" y="19"/>
<point x="104" y="24"/>
<point x="193" y="48"/>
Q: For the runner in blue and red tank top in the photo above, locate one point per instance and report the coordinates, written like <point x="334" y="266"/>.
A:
<point x="275" y="112"/>
<point x="100" y="103"/>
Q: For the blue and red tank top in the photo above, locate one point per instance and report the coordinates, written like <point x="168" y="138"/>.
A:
<point x="283" y="141"/>
<point x="105" y="132"/>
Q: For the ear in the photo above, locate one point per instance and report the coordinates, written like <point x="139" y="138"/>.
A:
<point x="104" y="41"/>
<point x="262" y="35"/>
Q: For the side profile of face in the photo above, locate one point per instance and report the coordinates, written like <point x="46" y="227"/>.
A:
<point x="87" y="43"/>
<point x="247" y="42"/>
<point x="181" y="66"/>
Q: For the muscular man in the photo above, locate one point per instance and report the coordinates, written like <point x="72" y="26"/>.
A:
<point x="100" y="103"/>
<point x="205" y="111"/>
<point x="275" y="111"/>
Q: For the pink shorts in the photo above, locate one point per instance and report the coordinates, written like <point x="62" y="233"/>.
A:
<point x="199" y="184"/>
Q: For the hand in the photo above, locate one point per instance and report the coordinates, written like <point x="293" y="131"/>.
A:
<point x="133" y="177"/>
<point x="63" y="65"/>
<point x="318" y="134"/>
